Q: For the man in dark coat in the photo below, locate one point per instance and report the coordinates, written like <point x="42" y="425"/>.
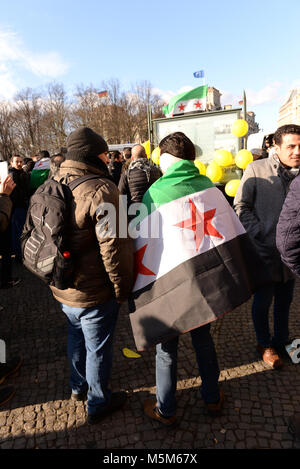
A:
<point x="7" y="368"/>
<point x="115" y="166"/>
<point x="20" y="200"/>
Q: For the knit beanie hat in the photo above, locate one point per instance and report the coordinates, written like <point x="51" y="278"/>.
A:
<point x="85" y="145"/>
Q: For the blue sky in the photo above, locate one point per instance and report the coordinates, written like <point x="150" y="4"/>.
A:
<point x="240" y="45"/>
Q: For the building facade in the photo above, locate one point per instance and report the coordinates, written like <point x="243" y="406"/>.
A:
<point x="289" y="113"/>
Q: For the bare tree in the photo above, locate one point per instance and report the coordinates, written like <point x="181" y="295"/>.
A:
<point x="28" y="113"/>
<point x="88" y="109"/>
<point x="41" y="120"/>
<point x="144" y="98"/>
<point x="8" y="144"/>
<point x="56" y="116"/>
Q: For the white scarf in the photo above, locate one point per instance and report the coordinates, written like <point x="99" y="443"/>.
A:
<point x="166" y="160"/>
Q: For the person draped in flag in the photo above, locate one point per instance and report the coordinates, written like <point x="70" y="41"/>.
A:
<point x="197" y="268"/>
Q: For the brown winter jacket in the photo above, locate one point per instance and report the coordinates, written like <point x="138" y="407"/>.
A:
<point x="103" y="265"/>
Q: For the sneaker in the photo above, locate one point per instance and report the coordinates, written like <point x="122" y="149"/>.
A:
<point x="270" y="357"/>
<point x="11" y="283"/>
<point x="6" y="394"/>
<point x="152" y="411"/>
<point x="118" y="399"/>
<point x="214" y="409"/>
<point x="9" y="368"/>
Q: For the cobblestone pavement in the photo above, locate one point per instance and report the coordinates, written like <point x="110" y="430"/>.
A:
<point x="258" y="400"/>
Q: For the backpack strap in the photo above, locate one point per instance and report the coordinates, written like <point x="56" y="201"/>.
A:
<point x="76" y="182"/>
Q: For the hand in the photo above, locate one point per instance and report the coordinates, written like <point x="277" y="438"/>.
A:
<point x="7" y="186"/>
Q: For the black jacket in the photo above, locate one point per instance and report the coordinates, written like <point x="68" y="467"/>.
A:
<point x="137" y="179"/>
<point x="20" y="194"/>
<point x="115" y="169"/>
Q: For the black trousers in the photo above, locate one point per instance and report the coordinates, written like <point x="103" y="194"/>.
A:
<point x="6" y="252"/>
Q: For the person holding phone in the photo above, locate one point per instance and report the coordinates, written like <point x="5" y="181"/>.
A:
<point x="8" y="368"/>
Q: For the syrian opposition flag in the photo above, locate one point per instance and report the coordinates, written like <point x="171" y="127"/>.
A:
<point x="196" y="264"/>
<point x="39" y="173"/>
<point x="194" y="100"/>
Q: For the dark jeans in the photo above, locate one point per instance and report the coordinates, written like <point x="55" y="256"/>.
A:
<point x="283" y="296"/>
<point x="6" y="252"/>
<point x="166" y="369"/>
<point x="17" y="222"/>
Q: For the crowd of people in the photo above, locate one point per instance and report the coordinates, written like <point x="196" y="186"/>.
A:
<point x="105" y="272"/>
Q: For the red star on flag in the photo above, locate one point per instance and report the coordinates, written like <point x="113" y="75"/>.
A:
<point x="198" y="104"/>
<point x="181" y="107"/>
<point x="200" y="223"/>
<point x="140" y="268"/>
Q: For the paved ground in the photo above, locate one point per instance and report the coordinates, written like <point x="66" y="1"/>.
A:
<point x="258" y="400"/>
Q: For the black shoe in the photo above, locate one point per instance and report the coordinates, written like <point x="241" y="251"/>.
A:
<point x="11" y="283"/>
<point x="6" y="394"/>
<point x="118" y="399"/>
<point x="9" y="368"/>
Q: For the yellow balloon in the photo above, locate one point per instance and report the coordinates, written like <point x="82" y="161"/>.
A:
<point x="231" y="187"/>
<point x="214" y="172"/>
<point x="155" y="155"/>
<point x="243" y="158"/>
<point x="201" y="167"/>
<point x="146" y="145"/>
<point x="239" y="128"/>
<point x="223" y="158"/>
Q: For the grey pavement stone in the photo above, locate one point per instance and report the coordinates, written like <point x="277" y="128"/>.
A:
<point x="258" y="399"/>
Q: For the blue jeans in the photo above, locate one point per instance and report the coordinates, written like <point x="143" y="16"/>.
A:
<point x="90" y="351"/>
<point x="166" y="370"/>
<point x="283" y="296"/>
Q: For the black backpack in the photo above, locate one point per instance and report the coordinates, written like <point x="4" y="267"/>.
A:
<point x="44" y="240"/>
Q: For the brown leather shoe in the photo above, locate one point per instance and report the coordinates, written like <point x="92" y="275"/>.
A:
<point x="215" y="409"/>
<point x="152" y="411"/>
<point x="270" y="357"/>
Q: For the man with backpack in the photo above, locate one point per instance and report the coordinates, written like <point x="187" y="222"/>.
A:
<point x="102" y="272"/>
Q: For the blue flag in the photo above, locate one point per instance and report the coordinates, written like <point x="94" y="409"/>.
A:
<point x="199" y="74"/>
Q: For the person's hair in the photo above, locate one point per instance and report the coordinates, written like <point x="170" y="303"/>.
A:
<point x="127" y="153"/>
<point x="27" y="160"/>
<point x="15" y="156"/>
<point x="284" y="130"/>
<point x="57" y="159"/>
<point x="138" y="151"/>
<point x="179" y="145"/>
<point x="44" y="154"/>
<point x="115" y="155"/>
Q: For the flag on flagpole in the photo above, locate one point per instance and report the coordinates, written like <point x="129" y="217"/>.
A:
<point x="193" y="100"/>
<point x="201" y="266"/>
<point x="241" y="102"/>
<point x="199" y="74"/>
<point x="102" y="94"/>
